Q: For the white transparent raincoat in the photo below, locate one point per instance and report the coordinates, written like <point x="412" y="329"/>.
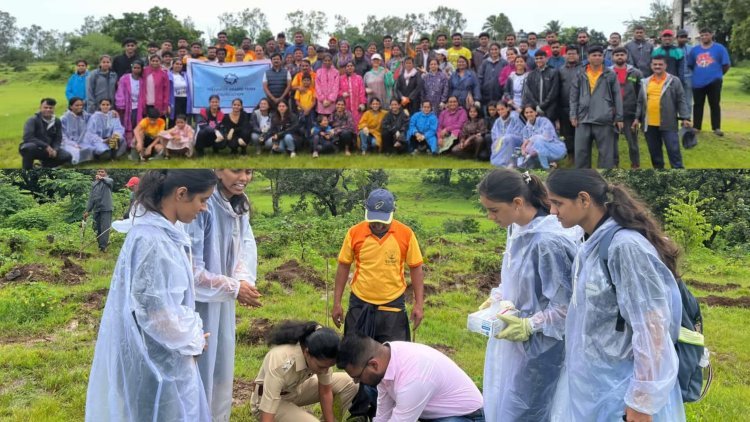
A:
<point x="605" y="369"/>
<point x="224" y="252"/>
<point x="144" y="365"/>
<point x="520" y="377"/>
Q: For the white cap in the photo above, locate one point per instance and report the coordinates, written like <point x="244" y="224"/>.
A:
<point x="442" y="51"/>
<point x="376" y="56"/>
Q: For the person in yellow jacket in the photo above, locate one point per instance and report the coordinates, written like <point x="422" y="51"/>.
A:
<point x="369" y="127"/>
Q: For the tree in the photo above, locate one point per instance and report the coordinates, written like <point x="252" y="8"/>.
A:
<point x="8" y="32"/>
<point x="90" y="46"/>
<point x="312" y="24"/>
<point x="345" y="31"/>
<point x="498" y="26"/>
<point x="252" y="21"/>
<point x="658" y="19"/>
<point x="157" y="24"/>
<point x="569" y="35"/>
<point x="445" y="19"/>
<point x="728" y="19"/>
<point x="553" y="26"/>
<point x="686" y="223"/>
<point x="90" y="25"/>
<point x="375" y="29"/>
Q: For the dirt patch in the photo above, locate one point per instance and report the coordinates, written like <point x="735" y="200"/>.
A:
<point x="444" y="349"/>
<point x="732" y="302"/>
<point x="72" y="273"/>
<point x="487" y="282"/>
<point x="256" y="333"/>
<point x="263" y="239"/>
<point x="439" y="241"/>
<point x="28" y="272"/>
<point x="710" y="287"/>
<point x="438" y="257"/>
<point x="62" y="253"/>
<point x="289" y="272"/>
<point x="95" y="300"/>
<point x="429" y="290"/>
<point x="242" y="391"/>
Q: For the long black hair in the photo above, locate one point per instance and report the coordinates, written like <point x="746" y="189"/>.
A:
<point x="156" y="184"/>
<point x="320" y="342"/>
<point x="622" y="205"/>
<point x="502" y="185"/>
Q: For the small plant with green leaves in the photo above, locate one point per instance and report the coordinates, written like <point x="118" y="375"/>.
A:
<point x="687" y="223"/>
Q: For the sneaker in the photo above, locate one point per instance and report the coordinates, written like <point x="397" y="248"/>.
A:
<point x="292" y="155"/>
<point x="364" y="152"/>
<point x="315" y="154"/>
<point x="718" y="132"/>
<point x="347" y="153"/>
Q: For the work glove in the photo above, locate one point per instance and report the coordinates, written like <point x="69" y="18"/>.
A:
<point x="516" y="329"/>
<point x="486" y="304"/>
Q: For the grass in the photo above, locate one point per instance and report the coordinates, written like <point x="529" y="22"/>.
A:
<point x="21" y="93"/>
<point x="45" y="362"/>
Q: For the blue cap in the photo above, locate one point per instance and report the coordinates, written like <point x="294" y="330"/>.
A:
<point x="379" y="207"/>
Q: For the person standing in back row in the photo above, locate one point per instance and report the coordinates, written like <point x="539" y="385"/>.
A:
<point x="639" y="51"/>
<point x="709" y="62"/>
<point x="100" y="204"/>
<point x="595" y="110"/>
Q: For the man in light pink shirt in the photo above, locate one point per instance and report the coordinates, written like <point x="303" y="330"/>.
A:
<point x="415" y="382"/>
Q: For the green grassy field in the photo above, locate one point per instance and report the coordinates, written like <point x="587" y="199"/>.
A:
<point x="48" y="328"/>
<point x="21" y="93"/>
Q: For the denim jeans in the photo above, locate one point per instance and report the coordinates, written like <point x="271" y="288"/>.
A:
<point x="670" y="139"/>
<point x="367" y="142"/>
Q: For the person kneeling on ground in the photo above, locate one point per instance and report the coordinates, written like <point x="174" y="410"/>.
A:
<point x="148" y="142"/>
<point x="414" y="381"/>
<point x="42" y="138"/>
<point x="297" y="371"/>
<point x="180" y="139"/>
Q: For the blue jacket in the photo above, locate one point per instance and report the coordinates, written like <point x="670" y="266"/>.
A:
<point x="76" y="86"/>
<point x="426" y="124"/>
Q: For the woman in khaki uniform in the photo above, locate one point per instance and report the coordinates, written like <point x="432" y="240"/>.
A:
<point x="297" y="371"/>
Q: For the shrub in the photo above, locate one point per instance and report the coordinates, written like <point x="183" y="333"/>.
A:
<point x="12" y="200"/>
<point x="745" y="84"/>
<point x="687" y="224"/>
<point x="39" y="218"/>
<point x="27" y="303"/>
<point x="464" y="225"/>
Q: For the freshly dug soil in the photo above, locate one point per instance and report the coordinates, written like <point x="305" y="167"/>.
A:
<point x="711" y="287"/>
<point x="256" y="334"/>
<point x="732" y="302"/>
<point x="289" y="272"/>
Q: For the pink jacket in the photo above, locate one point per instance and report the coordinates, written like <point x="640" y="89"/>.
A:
<point x="123" y="106"/>
<point x="326" y="88"/>
<point x="161" y="83"/>
<point x="355" y="87"/>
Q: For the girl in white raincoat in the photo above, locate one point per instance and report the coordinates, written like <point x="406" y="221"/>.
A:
<point x="523" y="364"/>
<point x="145" y="365"/>
<point x="622" y="365"/>
<point x="225" y="263"/>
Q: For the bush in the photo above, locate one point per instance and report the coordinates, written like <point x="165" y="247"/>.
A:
<point x="12" y="200"/>
<point x="487" y="264"/>
<point x="465" y="225"/>
<point x="30" y="219"/>
<point x="687" y="224"/>
<point x="18" y="59"/>
<point x="745" y="84"/>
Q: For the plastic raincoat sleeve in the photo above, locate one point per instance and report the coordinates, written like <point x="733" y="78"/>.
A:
<point x="159" y="310"/>
<point x="644" y="300"/>
<point x="247" y="263"/>
<point x="554" y="269"/>
<point x="209" y="286"/>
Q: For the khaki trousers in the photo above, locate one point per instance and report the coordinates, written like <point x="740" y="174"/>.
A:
<point x="290" y="409"/>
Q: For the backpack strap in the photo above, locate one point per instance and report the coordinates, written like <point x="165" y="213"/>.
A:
<point x="604" y="243"/>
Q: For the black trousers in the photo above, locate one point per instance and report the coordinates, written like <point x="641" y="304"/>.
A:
<point x="568" y="132"/>
<point x="389" y="139"/>
<point x="102" y="224"/>
<point x="30" y="152"/>
<point x="345" y="139"/>
<point x="207" y="138"/>
<point x="713" y="92"/>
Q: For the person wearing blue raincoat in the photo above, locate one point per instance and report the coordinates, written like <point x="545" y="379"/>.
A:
<point x="629" y="371"/>
<point x="144" y="366"/>
<point x="225" y="265"/>
<point x="506" y="136"/>
<point x="541" y="143"/>
<point x="522" y="367"/>
<point x="423" y="127"/>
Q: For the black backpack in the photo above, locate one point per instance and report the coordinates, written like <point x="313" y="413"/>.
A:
<point x="690" y="351"/>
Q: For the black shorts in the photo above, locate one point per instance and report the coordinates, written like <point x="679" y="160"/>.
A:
<point x="389" y="325"/>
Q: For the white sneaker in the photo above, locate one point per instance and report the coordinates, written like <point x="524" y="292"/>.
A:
<point x="292" y="155"/>
<point x="315" y="154"/>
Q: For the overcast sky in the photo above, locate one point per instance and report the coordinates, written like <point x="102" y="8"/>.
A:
<point x="602" y="16"/>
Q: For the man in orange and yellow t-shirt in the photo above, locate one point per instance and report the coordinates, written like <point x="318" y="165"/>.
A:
<point x="379" y="247"/>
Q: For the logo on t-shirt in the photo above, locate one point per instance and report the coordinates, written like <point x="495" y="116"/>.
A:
<point x="704" y="60"/>
<point x="391" y="258"/>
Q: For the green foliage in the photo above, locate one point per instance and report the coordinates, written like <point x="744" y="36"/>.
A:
<point x="17" y="58"/>
<point x="72" y="185"/>
<point x="569" y="34"/>
<point x="37" y="218"/>
<point x="12" y="200"/>
<point x="659" y="18"/>
<point x="464" y="225"/>
<point x="250" y="22"/>
<point x="90" y="47"/>
<point x="687" y="224"/>
<point x="312" y="24"/>
<point x="486" y="263"/>
<point x="745" y="84"/>
<point x="14" y="245"/>
<point x="713" y="14"/>
<point x="30" y="302"/>
<point x="437" y="176"/>
<point x="498" y="26"/>
<point x="157" y="24"/>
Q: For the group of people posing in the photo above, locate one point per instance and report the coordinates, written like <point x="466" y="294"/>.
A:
<point x="515" y="104"/>
<point x="165" y="349"/>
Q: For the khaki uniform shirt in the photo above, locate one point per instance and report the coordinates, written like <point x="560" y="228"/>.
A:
<point x="284" y="369"/>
